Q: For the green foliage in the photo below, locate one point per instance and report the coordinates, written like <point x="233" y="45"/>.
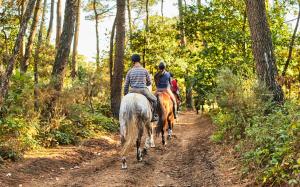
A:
<point x="82" y="111"/>
<point x="78" y="124"/>
<point x="266" y="136"/>
<point x="275" y="144"/>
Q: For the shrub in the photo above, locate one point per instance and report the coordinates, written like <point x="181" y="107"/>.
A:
<point x="81" y="112"/>
<point x="266" y="136"/>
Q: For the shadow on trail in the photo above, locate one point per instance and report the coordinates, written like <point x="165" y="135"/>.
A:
<point x="188" y="159"/>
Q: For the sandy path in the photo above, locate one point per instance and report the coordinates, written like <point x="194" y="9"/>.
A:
<point x="189" y="159"/>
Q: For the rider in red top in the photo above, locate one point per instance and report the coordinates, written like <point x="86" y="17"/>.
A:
<point x="175" y="88"/>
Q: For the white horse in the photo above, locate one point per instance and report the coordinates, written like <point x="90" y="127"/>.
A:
<point x="135" y="114"/>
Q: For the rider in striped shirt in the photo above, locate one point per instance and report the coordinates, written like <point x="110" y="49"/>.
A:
<point x="138" y="78"/>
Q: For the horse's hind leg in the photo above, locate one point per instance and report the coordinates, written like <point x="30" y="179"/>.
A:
<point x="149" y="140"/>
<point x="151" y="136"/>
<point x="163" y="136"/>
<point x="170" y="125"/>
<point x="124" y="162"/>
<point x="123" y="140"/>
<point x="138" y="143"/>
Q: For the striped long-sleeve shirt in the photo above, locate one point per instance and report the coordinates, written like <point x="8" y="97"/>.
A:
<point x="137" y="77"/>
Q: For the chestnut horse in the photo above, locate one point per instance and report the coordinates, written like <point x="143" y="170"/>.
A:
<point x="166" y="115"/>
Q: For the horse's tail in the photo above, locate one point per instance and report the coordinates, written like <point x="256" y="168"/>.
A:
<point x="161" y="113"/>
<point x="130" y="121"/>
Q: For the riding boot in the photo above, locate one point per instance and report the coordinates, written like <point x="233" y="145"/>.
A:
<point x="175" y="112"/>
<point x="154" y="112"/>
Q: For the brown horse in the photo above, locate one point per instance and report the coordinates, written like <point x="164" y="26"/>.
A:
<point x="166" y="115"/>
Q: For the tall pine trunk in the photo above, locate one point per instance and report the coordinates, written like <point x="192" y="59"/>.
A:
<point x="286" y="65"/>
<point x="146" y="33"/>
<point x="262" y="48"/>
<point x="49" y="31"/>
<point x="182" y="32"/>
<point x="58" y="23"/>
<point x="119" y="58"/>
<point x="162" y="10"/>
<point x="25" y="61"/>
<point x="36" y="58"/>
<point x="97" y="34"/>
<point x="61" y="58"/>
<point x="21" y="16"/>
<point x="111" y="52"/>
<point x="188" y="84"/>
<point x="75" y="42"/>
<point x="18" y="43"/>
<point x="129" y="19"/>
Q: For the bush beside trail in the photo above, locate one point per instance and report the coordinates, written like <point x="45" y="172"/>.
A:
<point x="81" y="113"/>
<point x="266" y="136"/>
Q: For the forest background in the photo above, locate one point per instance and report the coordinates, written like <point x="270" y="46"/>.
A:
<point x="239" y="60"/>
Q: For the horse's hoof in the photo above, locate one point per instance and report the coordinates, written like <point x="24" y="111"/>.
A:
<point x="144" y="152"/>
<point x="124" y="166"/>
<point x="152" y="145"/>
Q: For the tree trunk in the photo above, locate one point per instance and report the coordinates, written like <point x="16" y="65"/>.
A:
<point x="111" y="51"/>
<point x="21" y="15"/>
<point x="262" y="48"/>
<point x="59" y="67"/>
<point x="58" y="23"/>
<point x="119" y="58"/>
<point x="162" y="10"/>
<point x="182" y="33"/>
<point x="185" y="4"/>
<point x="36" y="58"/>
<point x="244" y="45"/>
<point x="129" y="19"/>
<point x="146" y="33"/>
<point x="286" y="65"/>
<point x="49" y="31"/>
<point x="25" y="60"/>
<point x="5" y="78"/>
<point x="63" y="52"/>
<point x="188" y="85"/>
<point x="188" y="91"/>
<point x="199" y="4"/>
<point x="97" y="35"/>
<point x="6" y="48"/>
<point x="75" y="42"/>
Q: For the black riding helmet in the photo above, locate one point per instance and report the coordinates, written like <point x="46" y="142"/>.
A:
<point x="135" y="58"/>
<point x="162" y="66"/>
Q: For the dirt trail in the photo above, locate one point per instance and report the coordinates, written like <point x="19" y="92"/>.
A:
<point x="189" y="159"/>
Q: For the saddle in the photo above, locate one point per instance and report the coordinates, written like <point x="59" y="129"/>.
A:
<point x="137" y="91"/>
